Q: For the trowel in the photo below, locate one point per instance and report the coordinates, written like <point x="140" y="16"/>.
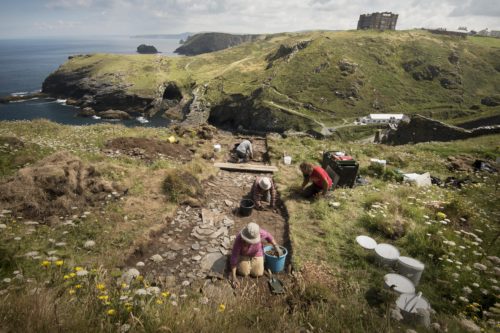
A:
<point x="275" y="284"/>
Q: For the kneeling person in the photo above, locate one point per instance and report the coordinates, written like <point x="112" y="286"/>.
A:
<point x="321" y="181"/>
<point x="263" y="189"/>
<point x="247" y="257"/>
<point x="244" y="150"/>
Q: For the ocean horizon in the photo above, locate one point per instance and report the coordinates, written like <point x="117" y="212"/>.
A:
<point x="26" y="62"/>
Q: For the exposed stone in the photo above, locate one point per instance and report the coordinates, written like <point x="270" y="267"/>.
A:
<point x="422" y="129"/>
<point x="114" y="114"/>
<point x="214" y="262"/>
<point x="156" y="258"/>
<point x="86" y="112"/>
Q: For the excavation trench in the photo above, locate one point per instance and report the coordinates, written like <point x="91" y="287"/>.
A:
<point x="193" y="248"/>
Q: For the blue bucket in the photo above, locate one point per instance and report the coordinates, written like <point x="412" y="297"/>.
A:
<point x="275" y="264"/>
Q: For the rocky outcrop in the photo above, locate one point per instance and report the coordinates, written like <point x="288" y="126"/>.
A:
<point x="86" y="112"/>
<point x="95" y="92"/>
<point x="422" y="129"/>
<point x="246" y="112"/>
<point x="114" y="114"/>
<point x="286" y="52"/>
<point x="211" y="42"/>
<point x="491" y="101"/>
<point x="146" y="49"/>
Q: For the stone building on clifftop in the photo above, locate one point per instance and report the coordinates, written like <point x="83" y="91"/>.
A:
<point x="380" y="21"/>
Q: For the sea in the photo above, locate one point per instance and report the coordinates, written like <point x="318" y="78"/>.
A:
<point x="25" y="63"/>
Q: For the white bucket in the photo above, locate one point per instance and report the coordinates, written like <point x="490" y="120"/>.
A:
<point x="399" y="283"/>
<point x="411" y="268"/>
<point x="366" y="242"/>
<point x="415" y="309"/>
<point x="287" y="160"/>
<point x="386" y="254"/>
<point x="217" y="148"/>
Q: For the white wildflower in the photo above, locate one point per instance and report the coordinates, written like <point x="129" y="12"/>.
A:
<point x="464" y="299"/>
<point x="467" y="290"/>
<point x="479" y="266"/>
<point x="141" y="292"/>
<point x="475" y="285"/>
<point x="82" y="272"/>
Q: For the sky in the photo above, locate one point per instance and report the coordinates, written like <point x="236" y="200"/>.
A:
<point x="37" y="18"/>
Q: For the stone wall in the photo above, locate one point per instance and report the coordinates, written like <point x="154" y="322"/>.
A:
<point x="422" y="129"/>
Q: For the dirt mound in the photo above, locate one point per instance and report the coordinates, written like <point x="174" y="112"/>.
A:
<point x="147" y="149"/>
<point x="54" y="186"/>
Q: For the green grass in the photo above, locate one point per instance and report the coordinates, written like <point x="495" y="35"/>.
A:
<point x="312" y="75"/>
<point x="336" y="286"/>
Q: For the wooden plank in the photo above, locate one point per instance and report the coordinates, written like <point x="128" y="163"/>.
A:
<point x="246" y="167"/>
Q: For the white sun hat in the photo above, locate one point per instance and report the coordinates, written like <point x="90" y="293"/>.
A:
<point x="251" y="233"/>
<point x="265" y="183"/>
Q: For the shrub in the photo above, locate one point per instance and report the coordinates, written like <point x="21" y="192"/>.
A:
<point x="181" y="186"/>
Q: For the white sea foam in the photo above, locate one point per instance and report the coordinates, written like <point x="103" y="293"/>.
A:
<point x="20" y="94"/>
<point x="142" y="120"/>
<point x="61" y="101"/>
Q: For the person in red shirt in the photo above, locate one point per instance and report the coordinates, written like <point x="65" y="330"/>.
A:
<point x="321" y="181"/>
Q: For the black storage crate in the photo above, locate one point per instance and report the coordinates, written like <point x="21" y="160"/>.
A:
<point x="343" y="173"/>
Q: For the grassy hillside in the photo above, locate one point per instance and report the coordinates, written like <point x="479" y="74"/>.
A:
<point x="332" y="76"/>
<point x="335" y="287"/>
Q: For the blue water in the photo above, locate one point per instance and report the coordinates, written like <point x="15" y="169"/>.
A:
<point x="25" y="63"/>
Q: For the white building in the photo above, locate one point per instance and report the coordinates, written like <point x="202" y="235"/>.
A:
<point x="382" y="118"/>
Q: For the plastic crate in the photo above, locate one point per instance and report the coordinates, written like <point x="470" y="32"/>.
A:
<point x="343" y="173"/>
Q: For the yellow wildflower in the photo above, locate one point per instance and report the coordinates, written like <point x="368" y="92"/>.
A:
<point x="222" y="307"/>
<point x="66" y="277"/>
<point x="165" y="294"/>
<point x="72" y="275"/>
<point x="111" y="312"/>
<point x="140" y="278"/>
<point x="59" y="263"/>
<point x="159" y="301"/>
<point x="101" y="286"/>
<point x="103" y="297"/>
<point x="45" y="263"/>
<point x="441" y="215"/>
<point x="78" y="286"/>
<point x="72" y="291"/>
<point x="124" y="285"/>
<point x="78" y="268"/>
<point x="107" y="303"/>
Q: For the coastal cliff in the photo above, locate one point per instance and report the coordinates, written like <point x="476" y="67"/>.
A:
<point x="212" y="41"/>
<point x="295" y="81"/>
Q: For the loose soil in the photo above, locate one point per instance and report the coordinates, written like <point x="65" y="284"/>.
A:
<point x="58" y="185"/>
<point x="147" y="149"/>
<point x="196" y="242"/>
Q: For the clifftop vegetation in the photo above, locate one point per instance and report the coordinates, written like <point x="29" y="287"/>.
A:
<point x="315" y="79"/>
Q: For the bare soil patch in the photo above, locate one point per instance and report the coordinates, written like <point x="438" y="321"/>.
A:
<point x="147" y="149"/>
<point x="58" y="185"/>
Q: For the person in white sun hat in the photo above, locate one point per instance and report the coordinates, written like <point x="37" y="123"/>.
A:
<point x="263" y="189"/>
<point x="247" y="257"/>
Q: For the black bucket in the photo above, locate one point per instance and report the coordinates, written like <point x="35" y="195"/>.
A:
<point x="246" y="207"/>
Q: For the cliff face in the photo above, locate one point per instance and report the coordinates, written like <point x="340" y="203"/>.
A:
<point x="98" y="93"/>
<point x="212" y="41"/>
<point x="422" y="129"/>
